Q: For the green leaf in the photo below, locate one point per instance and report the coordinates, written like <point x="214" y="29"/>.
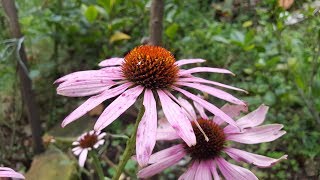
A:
<point x="91" y="13"/>
<point x="118" y="36"/>
<point x="171" y="31"/>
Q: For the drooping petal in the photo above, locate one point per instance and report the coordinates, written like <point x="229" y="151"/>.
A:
<point x="231" y="171"/>
<point x="201" y="80"/>
<point x="77" y="151"/>
<point x="191" y="171"/>
<point x="83" y="157"/>
<point x="167" y="135"/>
<point x="204" y="69"/>
<point x="117" y="107"/>
<point x="232" y="110"/>
<point x="111" y="62"/>
<point x="203" y="171"/>
<point x="201" y="110"/>
<point x="250" y="158"/>
<point x="210" y="107"/>
<point x="161" y="165"/>
<point x="214" y="92"/>
<point x="182" y="62"/>
<point x="213" y="169"/>
<point x="253" y="119"/>
<point x="83" y="88"/>
<point x="90" y="75"/>
<point x="147" y="129"/>
<point x="177" y="119"/>
<point x="260" y="134"/>
<point x="160" y="155"/>
<point x="94" y="101"/>
<point x="9" y="173"/>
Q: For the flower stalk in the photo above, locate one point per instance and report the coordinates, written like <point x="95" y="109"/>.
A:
<point x="97" y="165"/>
<point x="130" y="146"/>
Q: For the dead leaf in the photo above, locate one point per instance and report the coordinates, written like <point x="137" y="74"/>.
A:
<point x="118" y="36"/>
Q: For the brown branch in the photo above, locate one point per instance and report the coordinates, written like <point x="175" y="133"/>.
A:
<point x="26" y="83"/>
<point x="157" y="8"/>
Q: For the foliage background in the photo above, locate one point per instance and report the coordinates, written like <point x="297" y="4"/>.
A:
<point x="276" y="62"/>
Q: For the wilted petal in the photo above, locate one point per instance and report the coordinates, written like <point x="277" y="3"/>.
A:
<point x="201" y="80"/>
<point x="260" y="134"/>
<point x="111" y="62"/>
<point x="190" y="173"/>
<point x="231" y="171"/>
<point x="210" y="107"/>
<point x="117" y="107"/>
<point x="250" y="158"/>
<point x="147" y="130"/>
<point x="253" y="119"/>
<point x="94" y="101"/>
<point x="83" y="157"/>
<point x="232" y="110"/>
<point x="204" y="69"/>
<point x="214" y="92"/>
<point x="177" y="119"/>
<point x="161" y="165"/>
<point x="203" y="171"/>
<point x="182" y="62"/>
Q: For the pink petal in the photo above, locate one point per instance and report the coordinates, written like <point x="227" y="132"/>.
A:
<point x="210" y="107"/>
<point x="258" y="134"/>
<point x="182" y="62"/>
<point x="177" y="118"/>
<point x="10" y="174"/>
<point x="117" y="107"/>
<point x="201" y="80"/>
<point x="147" y="130"/>
<point x="6" y="169"/>
<point x="167" y="135"/>
<point x="191" y="171"/>
<point x="111" y="62"/>
<point x="253" y="119"/>
<point x="214" y="92"/>
<point x="203" y="171"/>
<point x="201" y="110"/>
<point x="83" y="157"/>
<point x="231" y="171"/>
<point x="161" y="165"/>
<point x="204" y="69"/>
<point x="255" y="159"/>
<point x="83" y="88"/>
<point x="232" y="111"/>
<point x="93" y="102"/>
<point x="160" y="155"/>
<point x="213" y="169"/>
<point x="89" y="75"/>
<point x="188" y="108"/>
<point x="184" y="106"/>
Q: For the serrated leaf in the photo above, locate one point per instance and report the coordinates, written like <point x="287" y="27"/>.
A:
<point x="118" y="36"/>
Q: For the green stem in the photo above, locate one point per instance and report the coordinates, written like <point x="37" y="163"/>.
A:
<point x="130" y="146"/>
<point x="97" y="165"/>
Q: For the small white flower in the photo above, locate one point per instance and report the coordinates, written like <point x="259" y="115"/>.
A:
<point x="85" y="143"/>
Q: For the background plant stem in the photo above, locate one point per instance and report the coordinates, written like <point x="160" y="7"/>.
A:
<point x="97" y="165"/>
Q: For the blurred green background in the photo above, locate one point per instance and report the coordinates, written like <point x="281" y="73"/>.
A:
<point x="273" y="51"/>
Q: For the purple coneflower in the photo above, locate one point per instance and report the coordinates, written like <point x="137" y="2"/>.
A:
<point x="146" y="70"/>
<point x="9" y="173"/>
<point x="85" y="143"/>
<point x="206" y="156"/>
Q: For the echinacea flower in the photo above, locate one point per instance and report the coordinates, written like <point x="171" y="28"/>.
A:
<point x="9" y="173"/>
<point x="206" y="157"/>
<point x="85" y="143"/>
<point x="147" y="70"/>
